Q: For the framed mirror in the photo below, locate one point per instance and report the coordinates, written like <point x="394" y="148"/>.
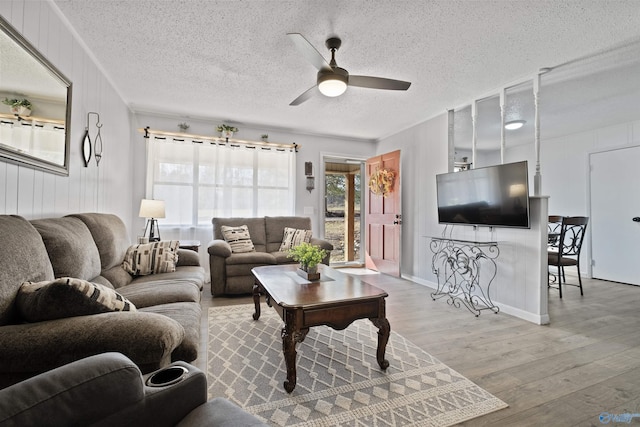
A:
<point x="35" y="106"/>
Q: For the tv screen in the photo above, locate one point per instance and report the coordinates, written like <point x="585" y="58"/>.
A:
<point x="495" y="196"/>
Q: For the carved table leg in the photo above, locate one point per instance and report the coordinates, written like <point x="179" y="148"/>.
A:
<point x="290" y="337"/>
<point x="256" y="300"/>
<point x="384" y="330"/>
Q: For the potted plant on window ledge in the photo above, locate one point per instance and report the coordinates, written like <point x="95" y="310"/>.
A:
<point x="19" y="107"/>
<point x="309" y="256"/>
<point x="226" y="131"/>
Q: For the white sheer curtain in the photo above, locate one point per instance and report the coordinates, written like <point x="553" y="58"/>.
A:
<point x="199" y="180"/>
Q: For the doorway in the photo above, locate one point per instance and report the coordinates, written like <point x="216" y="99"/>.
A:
<point x="342" y="209"/>
<point x="383" y="221"/>
<point x="615" y="215"/>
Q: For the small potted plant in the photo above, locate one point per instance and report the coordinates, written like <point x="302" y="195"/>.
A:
<point x="264" y="137"/>
<point x="309" y="256"/>
<point x="226" y="131"/>
<point x="183" y="126"/>
<point x="20" y="107"/>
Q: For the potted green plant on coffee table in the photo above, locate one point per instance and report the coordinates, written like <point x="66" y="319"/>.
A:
<point x="309" y="256"/>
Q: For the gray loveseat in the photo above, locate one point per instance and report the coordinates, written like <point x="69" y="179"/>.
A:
<point x="92" y="246"/>
<point x="231" y="272"/>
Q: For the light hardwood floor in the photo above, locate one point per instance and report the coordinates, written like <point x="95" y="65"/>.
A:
<point x="584" y="363"/>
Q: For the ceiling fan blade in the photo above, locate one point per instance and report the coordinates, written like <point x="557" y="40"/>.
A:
<point x="378" y="83"/>
<point x="309" y="52"/>
<point x="305" y="96"/>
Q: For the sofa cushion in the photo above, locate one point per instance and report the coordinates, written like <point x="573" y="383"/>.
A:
<point x="151" y="258"/>
<point x="71" y="248"/>
<point x="30" y="348"/>
<point x="258" y="258"/>
<point x="117" y="276"/>
<point x="146" y="294"/>
<point x="238" y="238"/>
<point x="67" y="297"/>
<point x="293" y="237"/>
<point x="283" y="258"/>
<point x="23" y="258"/>
<point x="190" y="273"/>
<point x="110" y="235"/>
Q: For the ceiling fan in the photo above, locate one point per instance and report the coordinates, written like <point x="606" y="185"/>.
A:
<point x="332" y="80"/>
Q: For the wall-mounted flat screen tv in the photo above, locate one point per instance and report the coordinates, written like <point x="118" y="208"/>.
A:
<point x="494" y="196"/>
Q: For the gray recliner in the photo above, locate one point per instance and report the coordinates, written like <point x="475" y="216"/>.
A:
<point x="109" y="390"/>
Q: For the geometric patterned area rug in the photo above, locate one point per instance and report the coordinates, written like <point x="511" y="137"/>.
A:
<point x="339" y="381"/>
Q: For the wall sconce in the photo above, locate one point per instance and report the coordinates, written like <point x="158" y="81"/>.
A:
<point x="311" y="184"/>
<point x="86" y="142"/>
<point x="310" y="181"/>
<point x="152" y="210"/>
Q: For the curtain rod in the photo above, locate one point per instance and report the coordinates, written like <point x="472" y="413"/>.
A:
<point x="216" y="139"/>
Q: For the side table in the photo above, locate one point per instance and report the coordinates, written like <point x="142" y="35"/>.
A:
<point x="193" y="245"/>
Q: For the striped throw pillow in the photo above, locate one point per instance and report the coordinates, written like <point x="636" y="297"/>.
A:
<point x="293" y="237"/>
<point x="67" y="297"/>
<point x="151" y="258"/>
<point x="238" y="238"/>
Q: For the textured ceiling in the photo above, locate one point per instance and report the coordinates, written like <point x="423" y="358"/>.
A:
<point x="232" y="61"/>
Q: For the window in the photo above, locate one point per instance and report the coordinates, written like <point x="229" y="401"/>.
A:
<point x="200" y="179"/>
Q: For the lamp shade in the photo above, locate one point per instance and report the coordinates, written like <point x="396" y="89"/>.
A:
<point x="151" y="208"/>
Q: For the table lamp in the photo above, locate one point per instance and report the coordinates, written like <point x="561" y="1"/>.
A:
<point x="152" y="210"/>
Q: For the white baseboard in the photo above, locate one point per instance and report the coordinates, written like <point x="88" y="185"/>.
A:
<point x="507" y="309"/>
<point x="420" y="281"/>
<point x="525" y="315"/>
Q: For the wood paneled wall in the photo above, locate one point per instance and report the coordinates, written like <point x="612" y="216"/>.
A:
<point x="107" y="188"/>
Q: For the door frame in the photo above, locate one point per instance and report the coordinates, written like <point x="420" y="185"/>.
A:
<point x="324" y="156"/>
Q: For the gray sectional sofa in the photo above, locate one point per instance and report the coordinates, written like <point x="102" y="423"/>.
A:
<point x="91" y="247"/>
<point x="231" y="272"/>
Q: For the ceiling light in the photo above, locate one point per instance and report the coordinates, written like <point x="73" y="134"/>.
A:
<point x="333" y="83"/>
<point x="514" y="124"/>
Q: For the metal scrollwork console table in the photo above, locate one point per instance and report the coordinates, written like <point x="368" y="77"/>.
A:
<point x="457" y="264"/>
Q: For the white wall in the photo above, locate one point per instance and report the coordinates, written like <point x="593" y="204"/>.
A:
<point x="312" y="147"/>
<point x="517" y="288"/>
<point x="565" y="171"/>
<point x="423" y="154"/>
<point x="37" y="194"/>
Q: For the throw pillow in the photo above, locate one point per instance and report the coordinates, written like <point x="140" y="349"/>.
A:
<point x="238" y="238"/>
<point x="151" y="258"/>
<point x="293" y="237"/>
<point x="67" y="297"/>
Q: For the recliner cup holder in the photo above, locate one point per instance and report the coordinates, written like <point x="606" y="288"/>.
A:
<point x="167" y="376"/>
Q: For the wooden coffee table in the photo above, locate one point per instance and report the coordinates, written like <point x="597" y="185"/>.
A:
<point x="336" y="300"/>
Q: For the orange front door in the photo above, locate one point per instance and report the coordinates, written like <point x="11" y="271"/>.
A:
<point x="383" y="217"/>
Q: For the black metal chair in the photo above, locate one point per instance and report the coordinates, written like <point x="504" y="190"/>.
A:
<point x="553" y="229"/>
<point x="567" y="254"/>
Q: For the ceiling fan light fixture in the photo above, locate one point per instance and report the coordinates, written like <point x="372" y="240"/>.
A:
<point x="333" y="83"/>
<point x="332" y="87"/>
<point x="514" y="124"/>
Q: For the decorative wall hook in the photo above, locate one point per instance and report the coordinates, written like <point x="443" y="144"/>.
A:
<point x="86" y="146"/>
<point x="86" y="142"/>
